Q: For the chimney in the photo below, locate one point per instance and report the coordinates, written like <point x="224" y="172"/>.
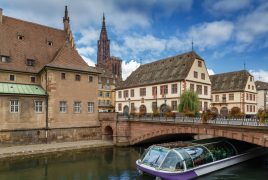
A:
<point x="1" y="15"/>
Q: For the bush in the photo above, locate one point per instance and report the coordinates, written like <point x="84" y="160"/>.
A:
<point x="236" y="113"/>
<point x="189" y="103"/>
<point x="262" y="115"/>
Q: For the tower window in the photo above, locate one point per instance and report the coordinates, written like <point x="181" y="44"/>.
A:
<point x="12" y="77"/>
<point x="33" y="79"/>
<point x="30" y="62"/>
<point x="63" y="76"/>
<point x="77" y="77"/>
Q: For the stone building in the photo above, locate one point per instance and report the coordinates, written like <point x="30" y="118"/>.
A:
<point x="104" y="59"/>
<point x="47" y="91"/>
<point x="262" y="90"/>
<point x="160" y="84"/>
<point x="106" y="86"/>
<point x="233" y="89"/>
<point x="111" y="72"/>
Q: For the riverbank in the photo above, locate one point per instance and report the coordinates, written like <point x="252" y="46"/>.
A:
<point x="36" y="149"/>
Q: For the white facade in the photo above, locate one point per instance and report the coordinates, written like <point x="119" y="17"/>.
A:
<point x="137" y="99"/>
<point x="246" y="100"/>
<point x="262" y="100"/>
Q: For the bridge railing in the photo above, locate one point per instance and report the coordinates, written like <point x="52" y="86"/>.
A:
<point x="194" y="120"/>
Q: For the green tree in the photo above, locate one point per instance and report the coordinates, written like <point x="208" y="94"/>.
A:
<point x="189" y="103"/>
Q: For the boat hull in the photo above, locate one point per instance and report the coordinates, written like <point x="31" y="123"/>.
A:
<point x="203" y="169"/>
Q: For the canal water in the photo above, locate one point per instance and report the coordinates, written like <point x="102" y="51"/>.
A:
<point x="111" y="164"/>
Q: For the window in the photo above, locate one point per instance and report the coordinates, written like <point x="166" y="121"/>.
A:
<point x="252" y="87"/>
<point x="38" y="106"/>
<point x="132" y="93"/>
<point x="217" y="98"/>
<point x="254" y="98"/>
<point x="107" y="94"/>
<point x="12" y="77"/>
<point x="50" y="43"/>
<point x="251" y="78"/>
<point x="250" y="97"/>
<point x="199" y="63"/>
<point x="125" y="93"/>
<point x="63" y="76"/>
<point x="205" y="90"/>
<point x="154" y="106"/>
<point x="30" y="62"/>
<point x="199" y="89"/>
<point x="174" y="88"/>
<point x="248" y="86"/>
<point x="254" y="108"/>
<point x="247" y="96"/>
<point x="14" y="106"/>
<point x="20" y="37"/>
<point x="154" y="91"/>
<point x="163" y="90"/>
<point x="77" y="107"/>
<point x="90" y="107"/>
<point x="90" y="78"/>
<point x="77" y="77"/>
<point x="195" y="74"/>
<point x="174" y="105"/>
<point x="231" y="97"/>
<point x="132" y="107"/>
<point x="192" y="87"/>
<point x="203" y="76"/>
<point x="63" y="106"/>
<point x="205" y="106"/>
<point x="119" y="107"/>
<point x="142" y="91"/>
<point x="224" y="98"/>
<point x="119" y="94"/>
<point x="100" y="93"/>
<point x="32" y="79"/>
<point x="4" y="59"/>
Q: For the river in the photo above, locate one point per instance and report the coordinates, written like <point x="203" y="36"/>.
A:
<point x="109" y="163"/>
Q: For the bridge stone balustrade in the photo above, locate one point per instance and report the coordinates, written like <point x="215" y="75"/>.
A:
<point x="133" y="131"/>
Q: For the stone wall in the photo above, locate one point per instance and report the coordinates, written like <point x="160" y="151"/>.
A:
<point x="35" y="136"/>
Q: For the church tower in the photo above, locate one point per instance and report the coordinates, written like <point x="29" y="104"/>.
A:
<point x="103" y="46"/>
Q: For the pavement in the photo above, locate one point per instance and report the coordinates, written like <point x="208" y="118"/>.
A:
<point x="34" y="149"/>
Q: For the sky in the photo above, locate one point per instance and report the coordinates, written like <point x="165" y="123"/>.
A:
<point x="229" y="35"/>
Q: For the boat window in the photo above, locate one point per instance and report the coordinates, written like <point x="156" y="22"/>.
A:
<point x="186" y="157"/>
<point x="199" y="154"/>
<point x="172" y="162"/>
<point x="155" y="156"/>
<point x="221" y="150"/>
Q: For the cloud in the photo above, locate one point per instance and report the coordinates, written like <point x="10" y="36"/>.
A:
<point x="224" y="7"/>
<point x="211" y="72"/>
<point x="88" y="36"/>
<point x="261" y="75"/>
<point x="89" y="61"/>
<point x="253" y="25"/>
<point x="86" y="51"/>
<point x="128" y="68"/>
<point x="209" y="35"/>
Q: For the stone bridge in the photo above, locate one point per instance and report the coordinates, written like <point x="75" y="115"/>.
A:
<point x="125" y="132"/>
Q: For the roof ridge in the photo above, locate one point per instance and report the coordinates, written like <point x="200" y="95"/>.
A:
<point x="33" y="23"/>
<point x="230" y="73"/>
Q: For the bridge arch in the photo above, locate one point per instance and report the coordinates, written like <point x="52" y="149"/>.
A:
<point x="108" y="133"/>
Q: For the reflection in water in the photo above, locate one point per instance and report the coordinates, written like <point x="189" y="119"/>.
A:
<point x="107" y="163"/>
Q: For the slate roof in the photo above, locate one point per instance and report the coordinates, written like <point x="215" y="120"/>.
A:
<point x="26" y="89"/>
<point x="170" y="69"/>
<point x="229" y="82"/>
<point x="260" y="85"/>
<point x="34" y="45"/>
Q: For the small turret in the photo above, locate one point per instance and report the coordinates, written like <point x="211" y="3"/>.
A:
<point x="67" y="27"/>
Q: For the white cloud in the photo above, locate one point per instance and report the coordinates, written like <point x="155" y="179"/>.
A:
<point x="209" y="35"/>
<point x="224" y="7"/>
<point x="253" y="25"/>
<point x="89" y="61"/>
<point x="86" y="51"/>
<point x="139" y="43"/>
<point x="88" y="36"/>
<point x="211" y="72"/>
<point x="261" y="75"/>
<point x="128" y="68"/>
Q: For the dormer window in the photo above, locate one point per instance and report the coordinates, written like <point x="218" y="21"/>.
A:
<point x="20" y="37"/>
<point x="30" y="62"/>
<point x="50" y="43"/>
<point x="4" y="59"/>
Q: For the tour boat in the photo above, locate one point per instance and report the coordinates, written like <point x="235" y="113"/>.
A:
<point x="196" y="160"/>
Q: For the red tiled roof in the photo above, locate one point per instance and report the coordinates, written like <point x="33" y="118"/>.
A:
<point x="34" y="45"/>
